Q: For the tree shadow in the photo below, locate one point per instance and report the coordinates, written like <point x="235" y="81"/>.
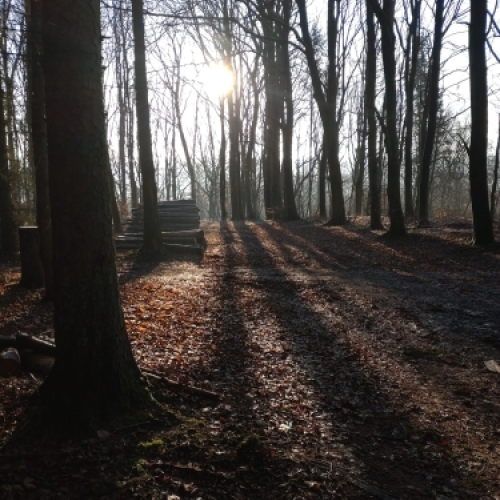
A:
<point x="389" y="447"/>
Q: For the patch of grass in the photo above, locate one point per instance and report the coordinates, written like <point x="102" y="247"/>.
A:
<point x="155" y="443"/>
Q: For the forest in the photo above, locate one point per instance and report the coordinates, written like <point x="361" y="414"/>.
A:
<point x="249" y="249"/>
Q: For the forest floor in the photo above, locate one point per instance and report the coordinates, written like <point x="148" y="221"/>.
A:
<point x="348" y="366"/>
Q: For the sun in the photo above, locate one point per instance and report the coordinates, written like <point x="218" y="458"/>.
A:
<point x="217" y="79"/>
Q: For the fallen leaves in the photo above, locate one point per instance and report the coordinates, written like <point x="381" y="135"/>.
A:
<point x="347" y="365"/>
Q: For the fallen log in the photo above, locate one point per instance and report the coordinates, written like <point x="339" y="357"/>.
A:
<point x="27" y="341"/>
<point x="10" y="362"/>
<point x="178" y="387"/>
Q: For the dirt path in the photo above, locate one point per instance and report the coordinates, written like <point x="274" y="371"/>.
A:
<point x="349" y="366"/>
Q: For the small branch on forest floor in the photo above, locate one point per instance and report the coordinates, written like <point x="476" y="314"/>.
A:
<point x="178" y="387"/>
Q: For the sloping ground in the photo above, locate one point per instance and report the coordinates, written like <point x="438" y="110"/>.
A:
<point x="348" y="366"/>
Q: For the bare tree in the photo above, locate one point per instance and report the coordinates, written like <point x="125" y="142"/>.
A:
<point x="152" y="234"/>
<point x="478" y="171"/>
<point x="385" y="15"/>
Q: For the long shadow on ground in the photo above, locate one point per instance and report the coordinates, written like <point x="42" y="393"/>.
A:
<point x="382" y="449"/>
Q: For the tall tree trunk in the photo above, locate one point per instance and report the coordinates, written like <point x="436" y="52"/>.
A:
<point x="185" y="148"/>
<point x="222" y="163"/>
<point x="433" y="98"/>
<point x="152" y="243"/>
<point x="39" y="134"/>
<point x="478" y="170"/>
<point x="95" y="377"/>
<point x="410" y="76"/>
<point x="385" y="16"/>
<point x="250" y="156"/>
<point x="337" y="216"/>
<point x="495" y="176"/>
<point x="360" y="160"/>
<point x="234" y="126"/>
<point x="273" y="201"/>
<point x="290" y="208"/>
<point x="8" y="226"/>
<point x="122" y="111"/>
<point x="370" y="95"/>
<point x="327" y="106"/>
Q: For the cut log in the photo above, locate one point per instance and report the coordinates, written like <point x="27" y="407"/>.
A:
<point x="10" y="363"/>
<point x="31" y="263"/>
<point x="35" y="362"/>
<point x="26" y="341"/>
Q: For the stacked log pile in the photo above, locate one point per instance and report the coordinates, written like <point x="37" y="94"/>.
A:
<point x="180" y="226"/>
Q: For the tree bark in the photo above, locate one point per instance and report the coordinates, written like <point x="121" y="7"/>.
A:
<point x="95" y="377"/>
<point x="222" y="163"/>
<point x="385" y="16"/>
<point x="234" y="127"/>
<point x="433" y="99"/>
<point x="411" y="71"/>
<point x="8" y="226"/>
<point x="40" y="155"/>
<point x="152" y="234"/>
<point x="495" y="176"/>
<point x="370" y="95"/>
<point x="327" y="105"/>
<point x="290" y="208"/>
<point x="478" y="170"/>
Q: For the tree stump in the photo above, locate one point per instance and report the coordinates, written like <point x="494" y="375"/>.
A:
<point x="31" y="263"/>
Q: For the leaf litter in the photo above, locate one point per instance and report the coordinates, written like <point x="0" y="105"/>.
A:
<point x="349" y="366"/>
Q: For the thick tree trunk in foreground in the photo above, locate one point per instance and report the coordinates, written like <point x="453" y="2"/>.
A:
<point x="478" y="171"/>
<point x="152" y="233"/>
<point x="95" y="376"/>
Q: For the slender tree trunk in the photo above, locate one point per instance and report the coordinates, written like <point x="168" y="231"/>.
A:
<point x="222" y="163"/>
<point x="39" y="134"/>
<point x="478" y="171"/>
<point x="327" y="106"/>
<point x="433" y="98"/>
<point x="370" y="95"/>
<point x="8" y="226"/>
<point x="361" y="156"/>
<point x="290" y="208"/>
<point x="152" y="234"/>
<point x="337" y="216"/>
<point x="189" y="161"/>
<point x="234" y="127"/>
<point x="95" y="378"/>
<point x="410" y="77"/>
<point x="250" y="159"/>
<point x="495" y="176"/>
